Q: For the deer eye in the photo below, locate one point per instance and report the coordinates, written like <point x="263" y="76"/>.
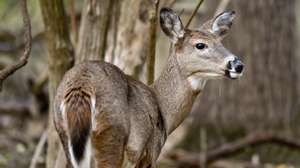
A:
<point x="201" y="46"/>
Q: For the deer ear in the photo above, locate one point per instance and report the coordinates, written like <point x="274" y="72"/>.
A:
<point x="171" y="24"/>
<point x="221" y="24"/>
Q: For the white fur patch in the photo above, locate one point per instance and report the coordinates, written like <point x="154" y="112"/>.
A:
<point x="229" y="58"/>
<point x="62" y="108"/>
<point x="72" y="158"/>
<point x="93" y="111"/>
<point x="235" y="75"/>
<point x="87" y="157"/>
<point x="196" y="83"/>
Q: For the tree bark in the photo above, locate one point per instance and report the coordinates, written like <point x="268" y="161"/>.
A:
<point x="131" y="44"/>
<point x="153" y="18"/>
<point x="60" y="59"/>
<point x="96" y="15"/>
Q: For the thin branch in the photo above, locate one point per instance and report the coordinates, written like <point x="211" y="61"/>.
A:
<point x="229" y="149"/>
<point x="194" y="13"/>
<point x="73" y="20"/>
<point x="23" y="59"/>
<point x="221" y="7"/>
<point x="152" y="42"/>
<point x="38" y="150"/>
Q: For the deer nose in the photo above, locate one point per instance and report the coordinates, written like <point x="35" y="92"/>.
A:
<point x="239" y="68"/>
<point x="235" y="65"/>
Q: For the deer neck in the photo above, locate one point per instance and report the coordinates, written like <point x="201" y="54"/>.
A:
<point x="175" y="94"/>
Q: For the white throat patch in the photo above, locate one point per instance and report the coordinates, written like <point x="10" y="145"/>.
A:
<point x="197" y="83"/>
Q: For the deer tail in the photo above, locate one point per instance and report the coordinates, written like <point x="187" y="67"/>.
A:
<point x="76" y="114"/>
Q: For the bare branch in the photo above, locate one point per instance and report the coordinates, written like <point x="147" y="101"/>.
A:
<point x="72" y="11"/>
<point x="23" y="59"/>
<point x="38" y="150"/>
<point x="229" y="149"/>
<point x="152" y="42"/>
<point x="194" y="13"/>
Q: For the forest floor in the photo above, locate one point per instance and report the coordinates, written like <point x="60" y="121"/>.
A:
<point x="19" y="136"/>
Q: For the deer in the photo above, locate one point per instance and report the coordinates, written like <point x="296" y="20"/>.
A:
<point x="107" y="119"/>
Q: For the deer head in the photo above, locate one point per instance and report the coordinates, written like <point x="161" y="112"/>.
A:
<point x="199" y="53"/>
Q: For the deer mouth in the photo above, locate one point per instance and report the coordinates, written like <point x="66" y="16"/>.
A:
<point x="232" y="74"/>
<point x="208" y="74"/>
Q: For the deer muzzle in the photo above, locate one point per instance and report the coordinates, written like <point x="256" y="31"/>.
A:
<point x="234" y="69"/>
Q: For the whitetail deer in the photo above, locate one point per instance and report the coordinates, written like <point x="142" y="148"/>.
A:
<point x="107" y="119"/>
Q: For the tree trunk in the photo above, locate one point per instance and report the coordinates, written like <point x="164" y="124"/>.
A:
<point x="120" y="30"/>
<point x="60" y="59"/>
<point x="96" y="15"/>
<point x="266" y="96"/>
<point x="130" y="36"/>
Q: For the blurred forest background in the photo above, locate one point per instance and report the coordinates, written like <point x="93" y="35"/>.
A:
<point x="251" y="122"/>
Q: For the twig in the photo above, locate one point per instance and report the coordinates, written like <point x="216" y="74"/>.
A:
<point x="38" y="150"/>
<point x="73" y="20"/>
<point x="23" y="59"/>
<point x="194" y="13"/>
<point x="222" y="6"/>
<point x="181" y="12"/>
<point x="229" y="149"/>
<point x="152" y="42"/>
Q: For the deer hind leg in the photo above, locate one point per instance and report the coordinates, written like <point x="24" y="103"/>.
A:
<point x="64" y="142"/>
<point x="108" y="146"/>
<point x="61" y="128"/>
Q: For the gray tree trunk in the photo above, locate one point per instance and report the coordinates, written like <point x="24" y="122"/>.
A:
<point x="94" y="25"/>
<point x="60" y="59"/>
<point x="129" y="48"/>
